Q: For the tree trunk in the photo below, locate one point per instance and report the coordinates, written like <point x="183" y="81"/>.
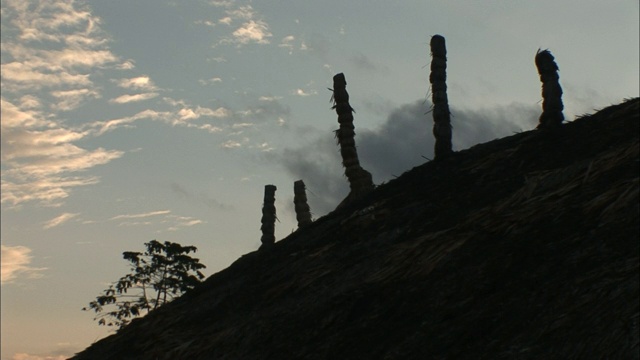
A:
<point x="551" y="117"/>
<point x="360" y="180"/>
<point x="303" y="213"/>
<point x="441" y="114"/>
<point x="268" y="216"/>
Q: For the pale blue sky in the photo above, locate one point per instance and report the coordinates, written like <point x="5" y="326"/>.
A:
<point x="127" y="121"/>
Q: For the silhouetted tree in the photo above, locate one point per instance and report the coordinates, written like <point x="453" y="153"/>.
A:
<point x="360" y="180"/>
<point x="268" y="216"/>
<point x="161" y="273"/>
<point x="552" y="106"/>
<point x="441" y="114"/>
<point x="303" y="212"/>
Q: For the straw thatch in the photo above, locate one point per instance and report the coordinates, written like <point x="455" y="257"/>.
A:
<point x="360" y="180"/>
<point x="441" y="114"/>
<point x="551" y="117"/>
<point x="303" y="212"/>
<point x="268" y="216"/>
<point x="524" y="247"/>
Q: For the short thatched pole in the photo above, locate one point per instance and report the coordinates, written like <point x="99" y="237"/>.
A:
<point x="268" y="216"/>
<point x="360" y="180"/>
<point x="551" y="117"/>
<point x="441" y="114"/>
<point x="303" y="212"/>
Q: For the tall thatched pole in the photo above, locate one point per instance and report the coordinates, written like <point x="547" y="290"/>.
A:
<point x="552" y="106"/>
<point x="268" y="216"/>
<point x="303" y="212"/>
<point x="360" y="180"/>
<point x="441" y="114"/>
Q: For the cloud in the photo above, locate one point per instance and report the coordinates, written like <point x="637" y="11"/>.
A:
<point x="141" y="215"/>
<point x="25" y="356"/>
<point x="46" y="191"/>
<point x="183" y="221"/>
<point x="137" y="83"/>
<point x="210" y="81"/>
<point x="267" y="108"/>
<point x="79" y="46"/>
<point x="201" y="197"/>
<point x="123" y="99"/>
<point x="71" y="99"/>
<point x="15" y="263"/>
<point x="287" y="42"/>
<point x="39" y="157"/>
<point x="59" y="220"/>
<point x="253" y="31"/>
<point x="163" y="217"/>
<point x="57" y="47"/>
<point x="362" y="62"/>
<point x="300" y="92"/>
<point x="269" y="98"/>
<point x="186" y="114"/>
<point x="396" y="146"/>
<point x="231" y="144"/>
<point x="242" y="12"/>
<point x="101" y="127"/>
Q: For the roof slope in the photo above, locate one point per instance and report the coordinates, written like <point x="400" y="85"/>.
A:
<point x="523" y="247"/>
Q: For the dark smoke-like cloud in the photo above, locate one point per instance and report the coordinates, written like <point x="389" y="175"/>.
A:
<point x="401" y="143"/>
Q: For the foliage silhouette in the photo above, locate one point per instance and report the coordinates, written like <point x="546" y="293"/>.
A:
<point x="160" y="274"/>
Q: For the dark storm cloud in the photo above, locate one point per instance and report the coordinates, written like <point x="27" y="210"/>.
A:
<point x="398" y="145"/>
<point x="320" y="167"/>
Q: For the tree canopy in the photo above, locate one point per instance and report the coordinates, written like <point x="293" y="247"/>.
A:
<point x="158" y="275"/>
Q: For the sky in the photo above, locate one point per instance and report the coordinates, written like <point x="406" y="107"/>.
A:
<point x="128" y="121"/>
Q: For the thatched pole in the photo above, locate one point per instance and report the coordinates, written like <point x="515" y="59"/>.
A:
<point x="303" y="212"/>
<point x="441" y="114"/>
<point x="360" y="180"/>
<point x="268" y="216"/>
<point x="551" y="117"/>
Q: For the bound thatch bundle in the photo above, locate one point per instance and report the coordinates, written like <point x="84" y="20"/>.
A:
<point x="552" y="106"/>
<point x="441" y="114"/>
<point x="303" y="212"/>
<point x="268" y="216"/>
<point x="360" y="180"/>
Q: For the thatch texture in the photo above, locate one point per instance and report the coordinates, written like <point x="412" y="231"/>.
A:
<point x="441" y="114"/>
<point x="360" y="180"/>
<point x="303" y="212"/>
<point x="551" y="117"/>
<point x="268" y="216"/>
<point x="524" y="247"/>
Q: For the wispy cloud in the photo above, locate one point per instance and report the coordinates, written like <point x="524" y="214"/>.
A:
<point x="202" y="198"/>
<point x="183" y="221"/>
<point x="141" y="215"/>
<point x="123" y="99"/>
<point x="15" y="263"/>
<point x="230" y="144"/>
<point x="300" y="92"/>
<point x="137" y="83"/>
<point x="57" y="49"/>
<point x="287" y="43"/>
<point x="71" y="99"/>
<point x="212" y="80"/>
<point x="25" y="356"/>
<point x="163" y="218"/>
<point x="39" y="157"/>
<point x="253" y="29"/>
<point x="187" y="113"/>
<point x="59" y="220"/>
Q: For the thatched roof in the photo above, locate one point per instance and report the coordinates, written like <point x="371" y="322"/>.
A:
<point x="526" y="247"/>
